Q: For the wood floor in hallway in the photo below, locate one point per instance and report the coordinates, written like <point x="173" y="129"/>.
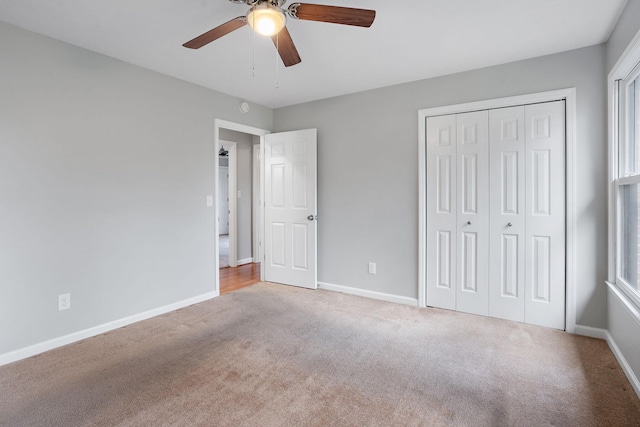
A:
<point x="235" y="278"/>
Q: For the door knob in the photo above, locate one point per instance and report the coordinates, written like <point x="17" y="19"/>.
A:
<point x="509" y="225"/>
<point x="311" y="217"/>
<point x="468" y="222"/>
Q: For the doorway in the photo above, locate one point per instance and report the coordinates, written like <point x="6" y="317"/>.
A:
<point x="242" y="204"/>
<point x="292" y="192"/>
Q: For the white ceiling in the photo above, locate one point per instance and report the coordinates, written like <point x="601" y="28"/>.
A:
<point x="409" y="40"/>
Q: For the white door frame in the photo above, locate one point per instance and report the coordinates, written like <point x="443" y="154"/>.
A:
<point x="256" y="205"/>
<point x="569" y="95"/>
<point x="224" y="124"/>
<point x="223" y="217"/>
<point x="232" y="202"/>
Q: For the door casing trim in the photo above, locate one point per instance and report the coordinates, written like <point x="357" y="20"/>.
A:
<point x="232" y="203"/>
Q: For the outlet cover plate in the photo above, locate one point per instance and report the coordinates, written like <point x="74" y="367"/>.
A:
<point x="372" y="268"/>
<point x="64" y="302"/>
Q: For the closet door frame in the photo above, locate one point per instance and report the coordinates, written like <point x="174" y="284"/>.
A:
<point x="569" y="96"/>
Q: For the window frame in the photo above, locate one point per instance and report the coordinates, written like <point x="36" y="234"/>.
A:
<point x="626" y="287"/>
<point x="626" y="71"/>
<point x="623" y="122"/>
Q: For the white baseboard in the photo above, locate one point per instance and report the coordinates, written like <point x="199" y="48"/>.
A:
<point x="588" y="331"/>
<point x="32" y="350"/>
<point x="631" y="376"/>
<point x="245" y="261"/>
<point x="369" y="294"/>
<point x="603" y="334"/>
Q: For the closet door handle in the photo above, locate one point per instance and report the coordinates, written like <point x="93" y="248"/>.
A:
<point x="509" y="225"/>
<point x="468" y="222"/>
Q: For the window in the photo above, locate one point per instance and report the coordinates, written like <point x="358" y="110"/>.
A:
<point x="627" y="182"/>
<point x="629" y="117"/>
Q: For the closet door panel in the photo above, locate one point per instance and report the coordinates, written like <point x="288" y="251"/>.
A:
<point x="507" y="228"/>
<point x="545" y="214"/>
<point x="472" y="131"/>
<point x="441" y="212"/>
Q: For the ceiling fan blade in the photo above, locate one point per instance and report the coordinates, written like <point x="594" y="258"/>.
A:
<point x="286" y="48"/>
<point x="216" y="33"/>
<point x="332" y="14"/>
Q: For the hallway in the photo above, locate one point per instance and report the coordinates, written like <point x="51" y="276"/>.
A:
<point x="232" y="279"/>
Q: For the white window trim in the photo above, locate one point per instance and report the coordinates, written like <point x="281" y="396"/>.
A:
<point x="625" y="66"/>
<point x="623" y="123"/>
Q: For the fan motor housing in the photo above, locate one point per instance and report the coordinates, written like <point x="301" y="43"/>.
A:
<point x="276" y="3"/>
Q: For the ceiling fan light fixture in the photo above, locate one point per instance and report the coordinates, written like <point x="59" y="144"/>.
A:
<point x="266" y="19"/>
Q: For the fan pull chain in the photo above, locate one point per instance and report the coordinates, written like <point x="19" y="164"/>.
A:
<point x="253" y="54"/>
<point x="277" y="62"/>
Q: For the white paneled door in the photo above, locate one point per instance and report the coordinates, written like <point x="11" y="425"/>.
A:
<point x="473" y="212"/>
<point x="507" y="237"/>
<point x="496" y="213"/>
<point x="458" y="212"/>
<point x="290" y="208"/>
<point x="545" y="214"/>
<point x="441" y="212"/>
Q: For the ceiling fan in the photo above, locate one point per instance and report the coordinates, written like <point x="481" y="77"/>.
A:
<point x="268" y="18"/>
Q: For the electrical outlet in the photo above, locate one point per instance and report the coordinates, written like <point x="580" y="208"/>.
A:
<point x="372" y="268"/>
<point x="64" y="302"/>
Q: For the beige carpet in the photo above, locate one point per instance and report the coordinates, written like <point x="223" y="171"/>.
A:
<point x="272" y="355"/>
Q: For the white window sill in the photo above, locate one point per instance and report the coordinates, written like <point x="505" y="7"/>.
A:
<point x="633" y="308"/>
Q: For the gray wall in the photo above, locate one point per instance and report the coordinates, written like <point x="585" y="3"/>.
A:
<point x="244" y="184"/>
<point x="623" y="325"/>
<point x="104" y="171"/>
<point x="368" y="169"/>
<point x="623" y="33"/>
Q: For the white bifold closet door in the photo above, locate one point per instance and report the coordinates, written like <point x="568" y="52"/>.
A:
<point x="496" y="213"/>
<point x="545" y="247"/>
<point x="442" y="221"/>
<point x="458" y="206"/>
